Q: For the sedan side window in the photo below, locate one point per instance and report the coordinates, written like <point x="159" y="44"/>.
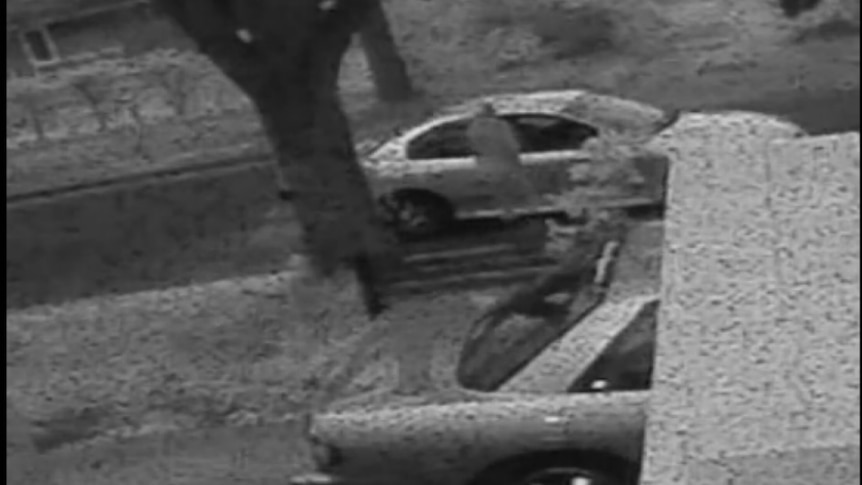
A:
<point x="444" y="141"/>
<point x="547" y="133"/>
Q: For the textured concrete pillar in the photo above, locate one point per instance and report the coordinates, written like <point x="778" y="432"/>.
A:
<point x="757" y="372"/>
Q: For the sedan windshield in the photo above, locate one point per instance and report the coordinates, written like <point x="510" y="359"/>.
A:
<point x="627" y="363"/>
<point x="496" y="353"/>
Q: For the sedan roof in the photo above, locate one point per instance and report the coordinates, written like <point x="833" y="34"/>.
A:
<point x="605" y="112"/>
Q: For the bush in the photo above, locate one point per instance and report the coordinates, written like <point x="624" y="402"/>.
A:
<point x="514" y="47"/>
<point x="577" y="32"/>
<point x="832" y="29"/>
<point x="833" y="19"/>
<point x="566" y="31"/>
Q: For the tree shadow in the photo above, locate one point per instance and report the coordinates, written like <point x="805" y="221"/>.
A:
<point x="69" y="426"/>
<point x="829" y="30"/>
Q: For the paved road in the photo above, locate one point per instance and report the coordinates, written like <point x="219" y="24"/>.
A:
<point x="209" y="225"/>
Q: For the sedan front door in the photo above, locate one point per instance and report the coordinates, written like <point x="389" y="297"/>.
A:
<point x="552" y="151"/>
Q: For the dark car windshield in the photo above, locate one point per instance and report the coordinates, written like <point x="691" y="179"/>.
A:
<point x="627" y="363"/>
<point x="495" y="353"/>
<point x="500" y="346"/>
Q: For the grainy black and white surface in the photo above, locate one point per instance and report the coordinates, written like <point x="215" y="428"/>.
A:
<point x="157" y="332"/>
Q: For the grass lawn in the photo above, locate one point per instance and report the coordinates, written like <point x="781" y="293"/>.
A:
<point x="183" y="367"/>
<point x="171" y="386"/>
<point x="194" y="356"/>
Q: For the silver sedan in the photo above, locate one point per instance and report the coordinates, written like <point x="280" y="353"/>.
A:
<point x="427" y="176"/>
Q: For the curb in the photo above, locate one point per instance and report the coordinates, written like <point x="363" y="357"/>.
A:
<point x="235" y="161"/>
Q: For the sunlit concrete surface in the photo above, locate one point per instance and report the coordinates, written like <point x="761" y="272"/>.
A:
<point x="757" y="378"/>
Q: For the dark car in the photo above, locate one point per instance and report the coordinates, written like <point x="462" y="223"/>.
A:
<point x="570" y="410"/>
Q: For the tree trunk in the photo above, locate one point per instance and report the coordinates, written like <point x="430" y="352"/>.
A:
<point x="313" y="146"/>
<point x="286" y="56"/>
<point x="388" y="68"/>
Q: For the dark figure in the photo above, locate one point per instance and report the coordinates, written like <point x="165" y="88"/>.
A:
<point x="498" y="157"/>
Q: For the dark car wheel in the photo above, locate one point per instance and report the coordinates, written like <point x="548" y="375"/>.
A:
<point x="417" y="215"/>
<point x="562" y="468"/>
<point x="567" y="476"/>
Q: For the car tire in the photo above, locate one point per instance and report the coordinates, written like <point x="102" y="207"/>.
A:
<point x="417" y="215"/>
<point x="602" y="469"/>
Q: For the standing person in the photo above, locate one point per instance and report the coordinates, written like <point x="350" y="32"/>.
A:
<point x="498" y="156"/>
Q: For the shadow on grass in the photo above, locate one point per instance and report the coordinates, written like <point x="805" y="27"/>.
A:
<point x="833" y="29"/>
<point x="68" y="427"/>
